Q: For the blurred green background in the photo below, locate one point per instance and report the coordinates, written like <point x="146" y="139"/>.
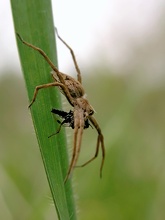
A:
<point x="130" y="109"/>
<point x="131" y="115"/>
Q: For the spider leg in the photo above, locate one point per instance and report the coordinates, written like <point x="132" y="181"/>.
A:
<point x="73" y="154"/>
<point x="73" y="57"/>
<point x="45" y="56"/>
<point x="62" y="81"/>
<point x="100" y="140"/>
<point x="47" y="86"/>
<point x="78" y="132"/>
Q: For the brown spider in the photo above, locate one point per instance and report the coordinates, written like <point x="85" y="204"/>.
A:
<point x="82" y="110"/>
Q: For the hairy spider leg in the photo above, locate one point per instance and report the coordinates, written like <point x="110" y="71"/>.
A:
<point x="100" y="141"/>
<point x="73" y="57"/>
<point x="47" y="86"/>
<point x="45" y="57"/>
<point x="78" y="132"/>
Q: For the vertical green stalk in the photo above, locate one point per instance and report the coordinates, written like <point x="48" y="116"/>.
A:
<point x="33" y="21"/>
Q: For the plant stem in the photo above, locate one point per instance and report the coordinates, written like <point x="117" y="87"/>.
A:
<point x="34" y="22"/>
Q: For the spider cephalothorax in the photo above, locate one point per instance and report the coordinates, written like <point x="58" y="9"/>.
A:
<point x="82" y="110"/>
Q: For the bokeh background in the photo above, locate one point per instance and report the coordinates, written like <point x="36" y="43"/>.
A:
<point x="120" y="49"/>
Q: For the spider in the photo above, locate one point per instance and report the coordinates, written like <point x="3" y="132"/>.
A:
<point x="68" y="119"/>
<point x="82" y="110"/>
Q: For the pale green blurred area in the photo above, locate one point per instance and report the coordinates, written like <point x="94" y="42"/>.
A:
<point x="131" y="112"/>
<point x="132" y="120"/>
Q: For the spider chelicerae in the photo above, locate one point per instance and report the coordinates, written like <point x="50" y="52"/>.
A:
<point x="82" y="110"/>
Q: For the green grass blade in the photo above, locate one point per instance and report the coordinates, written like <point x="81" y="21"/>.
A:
<point x="33" y="21"/>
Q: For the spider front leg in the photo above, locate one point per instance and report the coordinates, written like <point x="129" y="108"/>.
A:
<point x="45" y="57"/>
<point x="100" y="141"/>
<point x="68" y="96"/>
